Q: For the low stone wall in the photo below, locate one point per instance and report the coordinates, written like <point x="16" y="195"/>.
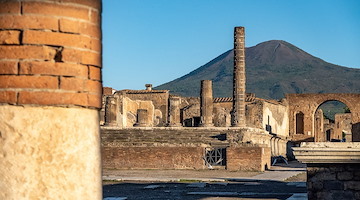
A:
<point x="333" y="169"/>
<point x="180" y="148"/>
<point x="153" y="157"/>
<point x="248" y="158"/>
<point x="333" y="181"/>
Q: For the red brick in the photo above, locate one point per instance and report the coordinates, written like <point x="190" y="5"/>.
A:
<point x="51" y="38"/>
<point x="71" y="26"/>
<point x="94" y="87"/>
<point x="10" y="7"/>
<point x="94" y="100"/>
<point x="44" y="8"/>
<point x="91" y="3"/>
<point x="94" y="73"/>
<point x="8" y="97"/>
<point x="83" y="57"/>
<point x="23" y="22"/>
<point x="48" y="82"/>
<point x="9" y="37"/>
<point x="91" y="58"/>
<point x="27" y="52"/>
<point x="94" y="16"/>
<point x="74" y="84"/>
<point x="52" y="98"/>
<point x="84" y="28"/>
<point x="60" y="39"/>
<point x="90" y="29"/>
<point x="51" y="68"/>
<point x="8" y="67"/>
<point x="92" y="44"/>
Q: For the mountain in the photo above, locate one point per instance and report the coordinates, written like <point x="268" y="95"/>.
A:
<point x="273" y="68"/>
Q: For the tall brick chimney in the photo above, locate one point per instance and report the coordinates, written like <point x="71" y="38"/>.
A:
<point x="50" y="96"/>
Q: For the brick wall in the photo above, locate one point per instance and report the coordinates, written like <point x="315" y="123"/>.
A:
<point x="153" y="157"/>
<point x="50" y="65"/>
<point x="248" y="158"/>
<point x="333" y="181"/>
<point x="50" y="53"/>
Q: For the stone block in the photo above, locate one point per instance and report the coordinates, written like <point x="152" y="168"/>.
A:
<point x="336" y="194"/>
<point x="356" y="175"/>
<point x="345" y="176"/>
<point x="322" y="176"/>
<point x="352" y="185"/>
<point x="315" y="186"/>
<point x="333" y="185"/>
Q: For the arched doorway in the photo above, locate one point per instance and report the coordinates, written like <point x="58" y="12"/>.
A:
<point x="332" y="122"/>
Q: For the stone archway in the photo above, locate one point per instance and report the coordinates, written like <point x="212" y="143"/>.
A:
<point x="309" y="103"/>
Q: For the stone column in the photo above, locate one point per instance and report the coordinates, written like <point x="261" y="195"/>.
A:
<point x="50" y="97"/>
<point x="111" y="111"/>
<point x="174" y="112"/>
<point x="319" y="134"/>
<point x="238" y="112"/>
<point x="206" y="104"/>
<point x="142" y="118"/>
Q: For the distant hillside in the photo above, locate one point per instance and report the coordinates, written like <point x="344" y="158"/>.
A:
<point x="273" y="68"/>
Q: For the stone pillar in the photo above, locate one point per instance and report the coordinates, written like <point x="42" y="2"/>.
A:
<point x="174" y="112"/>
<point x="238" y="113"/>
<point x="50" y="97"/>
<point x="206" y="104"/>
<point x="319" y="134"/>
<point x="111" y="111"/>
<point x="142" y="118"/>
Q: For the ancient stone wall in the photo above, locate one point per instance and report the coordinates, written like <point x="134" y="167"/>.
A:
<point x="158" y="97"/>
<point x="307" y="104"/>
<point x="153" y="157"/>
<point x="248" y="158"/>
<point x="50" y="81"/>
<point x="178" y="148"/>
<point x="333" y="181"/>
<point x="343" y="126"/>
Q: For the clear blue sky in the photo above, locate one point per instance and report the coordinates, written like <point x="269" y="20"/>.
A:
<point x="156" y="41"/>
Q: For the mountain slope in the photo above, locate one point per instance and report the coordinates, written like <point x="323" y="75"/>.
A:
<point x="273" y="68"/>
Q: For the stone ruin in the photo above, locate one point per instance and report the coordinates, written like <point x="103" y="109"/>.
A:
<point x="154" y="122"/>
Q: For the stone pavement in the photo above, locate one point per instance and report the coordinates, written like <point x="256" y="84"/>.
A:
<point x="205" y="184"/>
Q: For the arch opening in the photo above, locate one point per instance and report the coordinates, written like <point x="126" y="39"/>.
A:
<point x="332" y="122"/>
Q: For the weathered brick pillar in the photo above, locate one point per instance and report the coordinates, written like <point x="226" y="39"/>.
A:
<point x="50" y="96"/>
<point x="174" y="112"/>
<point x="206" y="104"/>
<point x="238" y="112"/>
<point x="142" y="118"/>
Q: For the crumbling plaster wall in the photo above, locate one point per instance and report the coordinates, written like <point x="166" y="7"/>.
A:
<point x="276" y="116"/>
